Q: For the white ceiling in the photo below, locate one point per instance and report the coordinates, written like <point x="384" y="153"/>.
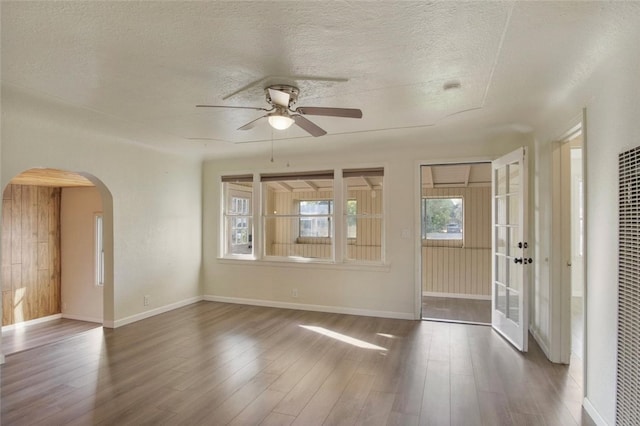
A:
<point x="143" y="66"/>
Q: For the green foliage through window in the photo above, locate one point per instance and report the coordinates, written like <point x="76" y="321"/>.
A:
<point x="442" y="218"/>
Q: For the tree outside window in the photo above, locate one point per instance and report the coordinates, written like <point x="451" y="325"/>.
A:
<point x="442" y="218"/>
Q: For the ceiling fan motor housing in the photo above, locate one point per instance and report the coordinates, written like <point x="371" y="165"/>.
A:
<point x="290" y="90"/>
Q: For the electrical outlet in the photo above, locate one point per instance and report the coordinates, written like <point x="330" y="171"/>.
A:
<point x="294" y="292"/>
<point x="146" y="300"/>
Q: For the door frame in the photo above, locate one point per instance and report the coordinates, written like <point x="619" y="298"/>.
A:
<point x="560" y="295"/>
<point x="417" y="225"/>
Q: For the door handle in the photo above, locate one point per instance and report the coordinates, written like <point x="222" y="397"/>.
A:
<point x="518" y="260"/>
<point x="523" y="260"/>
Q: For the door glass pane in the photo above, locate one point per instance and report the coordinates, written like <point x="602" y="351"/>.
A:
<point x="501" y="206"/>
<point x="513" y="241"/>
<point x="514" y="208"/>
<point x="514" y="178"/>
<point x="501" y="239"/>
<point x="514" y="307"/>
<point x="515" y="275"/>
<point x="501" y="269"/>
<point x="501" y="180"/>
<point x="501" y="298"/>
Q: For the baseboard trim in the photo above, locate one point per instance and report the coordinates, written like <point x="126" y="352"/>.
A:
<point x="307" y="307"/>
<point x="151" y="313"/>
<point x="593" y="413"/>
<point x="31" y="322"/>
<point x="81" y="318"/>
<point x="457" y="295"/>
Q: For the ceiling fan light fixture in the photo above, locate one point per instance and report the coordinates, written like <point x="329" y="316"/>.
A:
<point x="280" y="122"/>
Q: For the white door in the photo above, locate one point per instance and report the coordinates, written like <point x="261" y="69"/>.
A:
<point x="509" y="301"/>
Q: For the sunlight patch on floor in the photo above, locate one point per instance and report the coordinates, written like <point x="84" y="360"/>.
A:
<point x="343" y="338"/>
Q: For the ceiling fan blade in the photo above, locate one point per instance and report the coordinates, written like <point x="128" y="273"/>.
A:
<point x="279" y="98"/>
<point x="330" y="112"/>
<point x="234" y="107"/>
<point x="251" y="124"/>
<point x="308" y="126"/>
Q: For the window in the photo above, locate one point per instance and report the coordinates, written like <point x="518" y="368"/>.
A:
<point x="298" y="211"/>
<point x="315" y="218"/>
<point x="364" y="214"/>
<point x="98" y="250"/>
<point x="238" y="215"/>
<point x="442" y="218"/>
<point x="298" y="217"/>
<point x="352" y="223"/>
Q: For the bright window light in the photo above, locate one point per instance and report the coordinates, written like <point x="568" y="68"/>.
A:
<point x="99" y="250"/>
<point x="343" y="338"/>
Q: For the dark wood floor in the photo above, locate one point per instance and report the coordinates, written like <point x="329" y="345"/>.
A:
<point x="215" y="363"/>
<point x="454" y="309"/>
<point x="32" y="336"/>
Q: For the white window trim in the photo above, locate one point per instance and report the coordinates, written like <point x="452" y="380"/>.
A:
<point x="339" y="260"/>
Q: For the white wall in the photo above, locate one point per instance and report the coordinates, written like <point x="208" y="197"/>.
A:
<point x="389" y="291"/>
<point x="612" y="103"/>
<point x="81" y="297"/>
<point x="156" y="197"/>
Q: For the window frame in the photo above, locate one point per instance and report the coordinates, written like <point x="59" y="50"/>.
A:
<point x="438" y="242"/>
<point x="329" y="216"/>
<point x="229" y="193"/>
<point x="363" y="173"/>
<point x="338" y="240"/>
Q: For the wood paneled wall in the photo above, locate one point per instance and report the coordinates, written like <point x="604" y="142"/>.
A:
<point x="282" y="233"/>
<point x="30" y="253"/>
<point x="462" y="270"/>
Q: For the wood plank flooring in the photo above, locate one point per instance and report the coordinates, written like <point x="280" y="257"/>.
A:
<point x="213" y="363"/>
<point x="31" y="336"/>
<point x="454" y="309"/>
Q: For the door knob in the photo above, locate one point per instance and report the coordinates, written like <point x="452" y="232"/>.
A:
<point x="518" y="260"/>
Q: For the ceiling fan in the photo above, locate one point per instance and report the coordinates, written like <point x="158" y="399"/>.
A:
<point x="281" y="116"/>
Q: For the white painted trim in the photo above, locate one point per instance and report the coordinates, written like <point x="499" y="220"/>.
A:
<point x="153" y="312"/>
<point x="1" y="359"/>
<point x="543" y="345"/>
<point x="457" y="295"/>
<point x="31" y="322"/>
<point x="307" y="307"/>
<point x="288" y="262"/>
<point x="593" y="413"/>
<point x="82" y="318"/>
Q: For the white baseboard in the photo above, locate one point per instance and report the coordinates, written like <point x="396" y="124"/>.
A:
<point x="81" y="318"/>
<point x="593" y="413"/>
<point x="457" y="295"/>
<point x="31" y="322"/>
<point x="307" y="307"/>
<point x="153" y="312"/>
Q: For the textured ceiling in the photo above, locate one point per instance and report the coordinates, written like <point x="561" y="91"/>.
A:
<point x="145" y="65"/>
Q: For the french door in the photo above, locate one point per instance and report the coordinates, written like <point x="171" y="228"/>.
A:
<point x="509" y="301"/>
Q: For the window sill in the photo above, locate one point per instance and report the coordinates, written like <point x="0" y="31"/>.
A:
<point x="283" y="262"/>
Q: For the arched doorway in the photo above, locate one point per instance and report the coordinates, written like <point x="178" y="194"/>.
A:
<point x="57" y="248"/>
